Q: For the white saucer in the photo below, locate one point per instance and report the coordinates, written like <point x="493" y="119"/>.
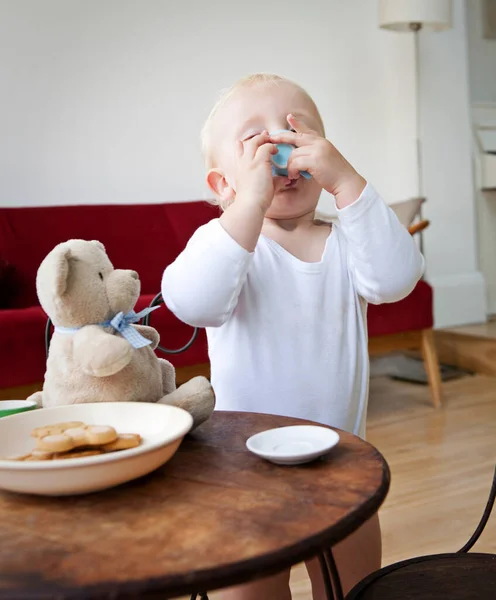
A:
<point x="293" y="445"/>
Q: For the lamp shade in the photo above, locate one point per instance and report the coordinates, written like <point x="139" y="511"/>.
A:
<point x="399" y="15"/>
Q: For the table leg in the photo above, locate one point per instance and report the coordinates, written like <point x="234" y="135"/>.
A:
<point x="330" y="574"/>
<point x="326" y="577"/>
<point x="333" y="569"/>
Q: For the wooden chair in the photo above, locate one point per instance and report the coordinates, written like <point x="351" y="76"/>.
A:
<point x="408" y="324"/>
<point x="456" y="576"/>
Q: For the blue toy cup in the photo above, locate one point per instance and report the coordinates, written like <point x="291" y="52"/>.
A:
<point x="280" y="160"/>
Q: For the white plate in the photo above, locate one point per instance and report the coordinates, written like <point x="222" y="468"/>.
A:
<point x="293" y="445"/>
<point x="161" y="427"/>
<point x="11" y="407"/>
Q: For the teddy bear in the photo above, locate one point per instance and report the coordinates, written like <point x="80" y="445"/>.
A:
<point x="98" y="353"/>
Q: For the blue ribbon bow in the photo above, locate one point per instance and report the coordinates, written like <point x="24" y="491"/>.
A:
<point x="122" y="323"/>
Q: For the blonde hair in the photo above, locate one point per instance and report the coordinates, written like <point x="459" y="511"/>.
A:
<point x="226" y="95"/>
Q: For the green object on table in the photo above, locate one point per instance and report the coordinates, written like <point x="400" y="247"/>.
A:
<point x="12" y="407"/>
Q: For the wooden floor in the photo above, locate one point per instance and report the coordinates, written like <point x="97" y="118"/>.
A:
<point x="486" y="330"/>
<point x="471" y="347"/>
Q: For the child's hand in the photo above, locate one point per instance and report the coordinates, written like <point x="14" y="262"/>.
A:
<point x="254" y="181"/>
<point x="322" y="160"/>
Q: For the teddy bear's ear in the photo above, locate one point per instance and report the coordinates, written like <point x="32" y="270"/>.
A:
<point x="56" y="271"/>
<point x="99" y="245"/>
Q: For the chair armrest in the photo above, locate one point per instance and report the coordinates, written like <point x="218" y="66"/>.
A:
<point x="420" y="226"/>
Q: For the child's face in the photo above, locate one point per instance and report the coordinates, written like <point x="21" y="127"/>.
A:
<point x="265" y="107"/>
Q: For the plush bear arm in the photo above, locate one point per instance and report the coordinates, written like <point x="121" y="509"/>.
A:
<point x="168" y="376"/>
<point x="36" y="397"/>
<point x="100" y="353"/>
<point x="150" y="333"/>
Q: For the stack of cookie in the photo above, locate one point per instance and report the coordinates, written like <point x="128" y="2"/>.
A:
<point x="77" y="439"/>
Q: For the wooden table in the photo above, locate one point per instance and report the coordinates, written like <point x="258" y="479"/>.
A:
<point x="214" y="516"/>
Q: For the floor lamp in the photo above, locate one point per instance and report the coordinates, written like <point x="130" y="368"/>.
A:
<point x="411" y="16"/>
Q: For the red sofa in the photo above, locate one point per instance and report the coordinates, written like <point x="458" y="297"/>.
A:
<point x="145" y="238"/>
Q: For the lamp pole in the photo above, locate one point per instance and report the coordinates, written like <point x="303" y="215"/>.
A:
<point x="412" y="16"/>
<point x="415" y="29"/>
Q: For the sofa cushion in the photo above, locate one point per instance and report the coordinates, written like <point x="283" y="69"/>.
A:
<point x="413" y="313"/>
<point x="7" y="283"/>
<point x="22" y="346"/>
<point x="23" y="352"/>
<point x="143" y="237"/>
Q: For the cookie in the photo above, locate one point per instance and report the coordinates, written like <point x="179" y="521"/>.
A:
<point x="17" y="457"/>
<point x="123" y="442"/>
<point x="57" y="442"/>
<point x="39" y="455"/>
<point x="77" y="437"/>
<point x="77" y="454"/>
<point x="55" y="428"/>
<point x="100" y="434"/>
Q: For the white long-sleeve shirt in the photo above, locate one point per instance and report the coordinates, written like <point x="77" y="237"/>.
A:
<point x="289" y="337"/>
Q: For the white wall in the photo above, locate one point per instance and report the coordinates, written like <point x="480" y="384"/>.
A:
<point x="451" y="241"/>
<point x="482" y="71"/>
<point x="482" y="55"/>
<point x="103" y="100"/>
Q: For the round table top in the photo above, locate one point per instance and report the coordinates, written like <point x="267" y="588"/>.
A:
<point x="215" y="515"/>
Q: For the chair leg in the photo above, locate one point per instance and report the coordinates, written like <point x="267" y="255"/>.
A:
<point x="431" y="363"/>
